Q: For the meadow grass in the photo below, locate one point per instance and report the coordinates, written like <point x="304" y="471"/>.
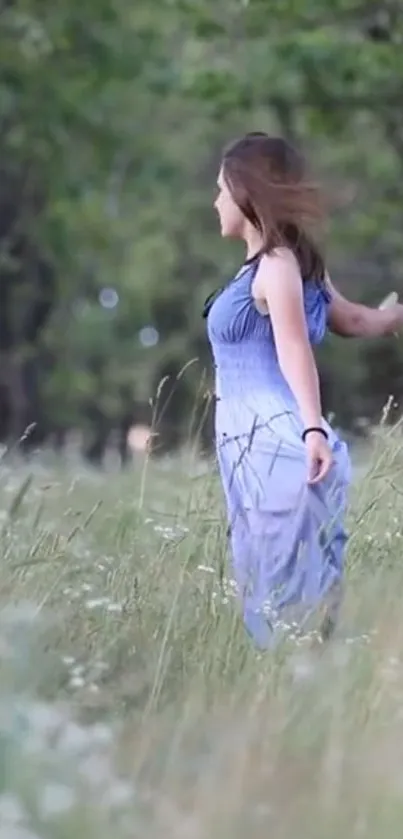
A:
<point x="131" y="699"/>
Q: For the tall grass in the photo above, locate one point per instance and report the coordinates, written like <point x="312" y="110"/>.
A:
<point x="131" y="699"/>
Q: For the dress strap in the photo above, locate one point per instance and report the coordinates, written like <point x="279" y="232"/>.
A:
<point x="246" y="266"/>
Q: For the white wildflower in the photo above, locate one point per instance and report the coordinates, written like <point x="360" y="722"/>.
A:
<point x="74" y="739"/>
<point x="56" y="799"/>
<point x="97" y="602"/>
<point x="11" y="809"/>
<point x="21" y="613"/>
<point x="303" y="668"/>
<point x="77" y="682"/>
<point x="118" y="794"/>
<point x="44" y="720"/>
<point x="96" y="770"/>
<point x="16" y="832"/>
<point x="101" y="735"/>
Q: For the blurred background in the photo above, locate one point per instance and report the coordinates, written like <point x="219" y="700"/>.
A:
<point x="112" y="119"/>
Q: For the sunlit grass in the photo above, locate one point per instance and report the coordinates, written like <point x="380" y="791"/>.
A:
<point x="131" y="699"/>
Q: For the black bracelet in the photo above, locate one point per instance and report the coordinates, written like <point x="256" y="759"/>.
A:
<point x="316" y="430"/>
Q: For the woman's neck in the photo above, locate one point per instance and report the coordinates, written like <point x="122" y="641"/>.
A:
<point x="253" y="242"/>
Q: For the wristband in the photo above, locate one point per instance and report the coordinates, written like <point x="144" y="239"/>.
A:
<point x="314" y="430"/>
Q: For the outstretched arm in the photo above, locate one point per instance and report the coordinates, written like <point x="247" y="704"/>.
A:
<point x="354" y="320"/>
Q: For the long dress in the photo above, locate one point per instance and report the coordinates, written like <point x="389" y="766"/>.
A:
<point x="287" y="537"/>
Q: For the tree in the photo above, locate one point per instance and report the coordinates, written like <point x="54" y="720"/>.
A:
<point x="112" y="119"/>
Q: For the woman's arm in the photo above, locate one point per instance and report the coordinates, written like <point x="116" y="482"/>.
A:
<point x="278" y="283"/>
<point x="353" y="320"/>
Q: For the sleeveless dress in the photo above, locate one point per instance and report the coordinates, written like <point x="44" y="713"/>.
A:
<point x="287" y="537"/>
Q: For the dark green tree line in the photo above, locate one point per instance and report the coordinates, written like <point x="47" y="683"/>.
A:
<point x="112" y="118"/>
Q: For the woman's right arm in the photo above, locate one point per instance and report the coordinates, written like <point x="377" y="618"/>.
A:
<point x="354" y="320"/>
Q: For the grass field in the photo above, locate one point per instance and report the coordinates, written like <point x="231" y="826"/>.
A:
<point x="131" y="700"/>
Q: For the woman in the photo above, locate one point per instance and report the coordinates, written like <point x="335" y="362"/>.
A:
<point x="285" y="473"/>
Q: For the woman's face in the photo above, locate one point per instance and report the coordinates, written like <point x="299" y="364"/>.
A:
<point x="231" y="217"/>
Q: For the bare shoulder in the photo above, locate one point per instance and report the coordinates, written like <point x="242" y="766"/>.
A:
<point x="330" y="287"/>
<point x="278" y="270"/>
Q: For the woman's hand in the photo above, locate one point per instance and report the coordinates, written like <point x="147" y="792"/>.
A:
<point x="393" y="318"/>
<point x="319" y="455"/>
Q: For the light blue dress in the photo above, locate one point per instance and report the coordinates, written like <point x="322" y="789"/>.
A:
<point x="287" y="537"/>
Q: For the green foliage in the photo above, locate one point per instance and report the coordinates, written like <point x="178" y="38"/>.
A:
<point x="112" y="117"/>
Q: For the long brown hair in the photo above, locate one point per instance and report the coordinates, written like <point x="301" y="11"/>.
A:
<point x="268" y="181"/>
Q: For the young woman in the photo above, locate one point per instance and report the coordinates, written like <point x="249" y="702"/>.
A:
<point x="284" y="471"/>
